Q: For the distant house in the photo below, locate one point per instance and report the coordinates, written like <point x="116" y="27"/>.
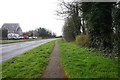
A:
<point x="12" y="28"/>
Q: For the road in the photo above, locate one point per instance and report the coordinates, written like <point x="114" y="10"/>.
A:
<point x="13" y="49"/>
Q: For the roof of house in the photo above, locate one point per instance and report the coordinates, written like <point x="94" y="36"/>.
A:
<point x="11" y="26"/>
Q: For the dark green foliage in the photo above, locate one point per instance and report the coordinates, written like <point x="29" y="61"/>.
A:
<point x="116" y="26"/>
<point x="3" y="33"/>
<point x="44" y="33"/>
<point x="72" y="23"/>
<point x="98" y="17"/>
<point x="68" y="30"/>
<point x="40" y="32"/>
<point x="100" y="21"/>
<point x="76" y="19"/>
<point x="86" y="8"/>
<point x="100" y="25"/>
<point x="29" y="33"/>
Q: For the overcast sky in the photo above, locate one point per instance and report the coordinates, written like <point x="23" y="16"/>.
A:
<point x="31" y="14"/>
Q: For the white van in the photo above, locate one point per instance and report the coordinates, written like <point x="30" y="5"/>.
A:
<point x="13" y="36"/>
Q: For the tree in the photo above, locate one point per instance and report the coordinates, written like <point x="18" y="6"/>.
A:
<point x="40" y="32"/>
<point x="99" y="24"/>
<point x="53" y="34"/>
<point x="3" y="33"/>
<point x="116" y="26"/>
<point x="29" y="33"/>
<point x="44" y="33"/>
<point x="72" y="10"/>
<point x="100" y="20"/>
<point x="68" y="30"/>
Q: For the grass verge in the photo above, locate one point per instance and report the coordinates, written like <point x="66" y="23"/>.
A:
<point x="14" y="41"/>
<point x="81" y="62"/>
<point x="21" y="40"/>
<point x="28" y="65"/>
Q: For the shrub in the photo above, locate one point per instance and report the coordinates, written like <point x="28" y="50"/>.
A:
<point x="82" y="40"/>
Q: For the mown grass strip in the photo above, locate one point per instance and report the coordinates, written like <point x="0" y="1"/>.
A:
<point x="28" y="65"/>
<point x="80" y="62"/>
<point x="14" y="41"/>
<point x="20" y="40"/>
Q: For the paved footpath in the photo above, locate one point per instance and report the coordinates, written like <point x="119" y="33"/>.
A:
<point x="54" y="68"/>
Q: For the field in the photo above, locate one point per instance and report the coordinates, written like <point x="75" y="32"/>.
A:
<point x="79" y="62"/>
